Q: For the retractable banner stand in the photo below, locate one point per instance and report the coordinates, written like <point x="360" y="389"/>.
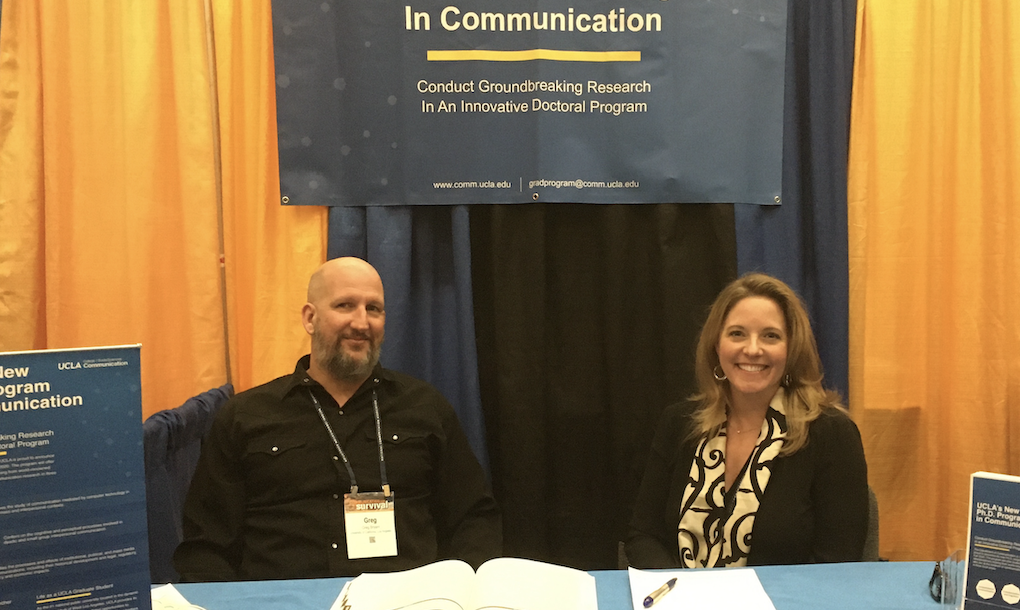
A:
<point x="993" y="543"/>
<point x="519" y="101"/>
<point x="72" y="481"/>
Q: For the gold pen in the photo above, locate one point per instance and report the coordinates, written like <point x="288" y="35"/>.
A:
<point x="657" y="594"/>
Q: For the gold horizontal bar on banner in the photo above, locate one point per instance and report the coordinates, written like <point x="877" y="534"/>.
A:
<point x="533" y="54"/>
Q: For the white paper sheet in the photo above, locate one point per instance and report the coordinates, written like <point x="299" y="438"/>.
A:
<point x="719" y="589"/>
<point x="167" y="597"/>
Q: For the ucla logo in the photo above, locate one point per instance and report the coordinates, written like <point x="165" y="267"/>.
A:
<point x="66" y="366"/>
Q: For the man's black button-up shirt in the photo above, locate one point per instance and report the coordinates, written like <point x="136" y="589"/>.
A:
<point x="266" y="500"/>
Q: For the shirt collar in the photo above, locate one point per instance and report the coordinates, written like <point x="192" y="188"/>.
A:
<point x="778" y="401"/>
<point x="301" y="379"/>
<point x="777" y="410"/>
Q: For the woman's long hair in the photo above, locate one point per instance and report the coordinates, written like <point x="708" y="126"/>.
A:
<point x="805" y="396"/>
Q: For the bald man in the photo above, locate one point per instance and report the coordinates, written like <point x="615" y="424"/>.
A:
<point x="339" y="468"/>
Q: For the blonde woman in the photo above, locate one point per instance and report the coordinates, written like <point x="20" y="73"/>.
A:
<point x="763" y="466"/>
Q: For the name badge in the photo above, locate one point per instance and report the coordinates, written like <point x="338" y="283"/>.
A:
<point x="371" y="529"/>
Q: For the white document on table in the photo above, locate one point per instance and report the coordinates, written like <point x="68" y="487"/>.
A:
<point x="718" y="588"/>
<point x="167" y="597"/>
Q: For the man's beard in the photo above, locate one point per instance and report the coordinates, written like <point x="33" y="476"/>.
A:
<point x="341" y="365"/>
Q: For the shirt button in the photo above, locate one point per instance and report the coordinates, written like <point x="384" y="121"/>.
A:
<point x="394" y="437"/>
<point x="334" y="545"/>
<point x="336" y="458"/>
<point x="275" y="449"/>
<point x="336" y="496"/>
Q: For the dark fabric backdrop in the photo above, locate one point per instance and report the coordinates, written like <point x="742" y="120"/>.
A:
<point x="585" y="316"/>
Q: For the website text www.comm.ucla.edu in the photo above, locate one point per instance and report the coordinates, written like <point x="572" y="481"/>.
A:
<point x="505" y="184"/>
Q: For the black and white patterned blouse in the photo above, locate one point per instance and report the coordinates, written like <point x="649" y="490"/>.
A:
<point x="715" y="524"/>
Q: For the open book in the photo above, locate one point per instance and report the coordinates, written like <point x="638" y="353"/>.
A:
<point x="503" y="583"/>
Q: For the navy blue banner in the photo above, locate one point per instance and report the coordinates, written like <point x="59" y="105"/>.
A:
<point x="993" y="553"/>
<point x="512" y="102"/>
<point x="72" y="480"/>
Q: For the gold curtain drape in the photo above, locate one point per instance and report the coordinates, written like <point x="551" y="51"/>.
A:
<point x="934" y="213"/>
<point x="139" y="193"/>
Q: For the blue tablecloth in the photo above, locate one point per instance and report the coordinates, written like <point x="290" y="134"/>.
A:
<point x="850" y="586"/>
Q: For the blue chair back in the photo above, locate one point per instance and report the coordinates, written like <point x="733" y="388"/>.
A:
<point x="173" y="440"/>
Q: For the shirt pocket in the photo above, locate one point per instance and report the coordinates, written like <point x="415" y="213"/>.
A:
<point x="278" y="466"/>
<point x="411" y="459"/>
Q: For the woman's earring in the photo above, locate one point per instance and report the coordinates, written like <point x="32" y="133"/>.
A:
<point x="718" y="373"/>
<point x="786" y="381"/>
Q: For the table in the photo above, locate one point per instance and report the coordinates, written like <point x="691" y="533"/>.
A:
<point x="840" y="586"/>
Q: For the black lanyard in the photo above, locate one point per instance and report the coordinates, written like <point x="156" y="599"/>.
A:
<point x="343" y="456"/>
